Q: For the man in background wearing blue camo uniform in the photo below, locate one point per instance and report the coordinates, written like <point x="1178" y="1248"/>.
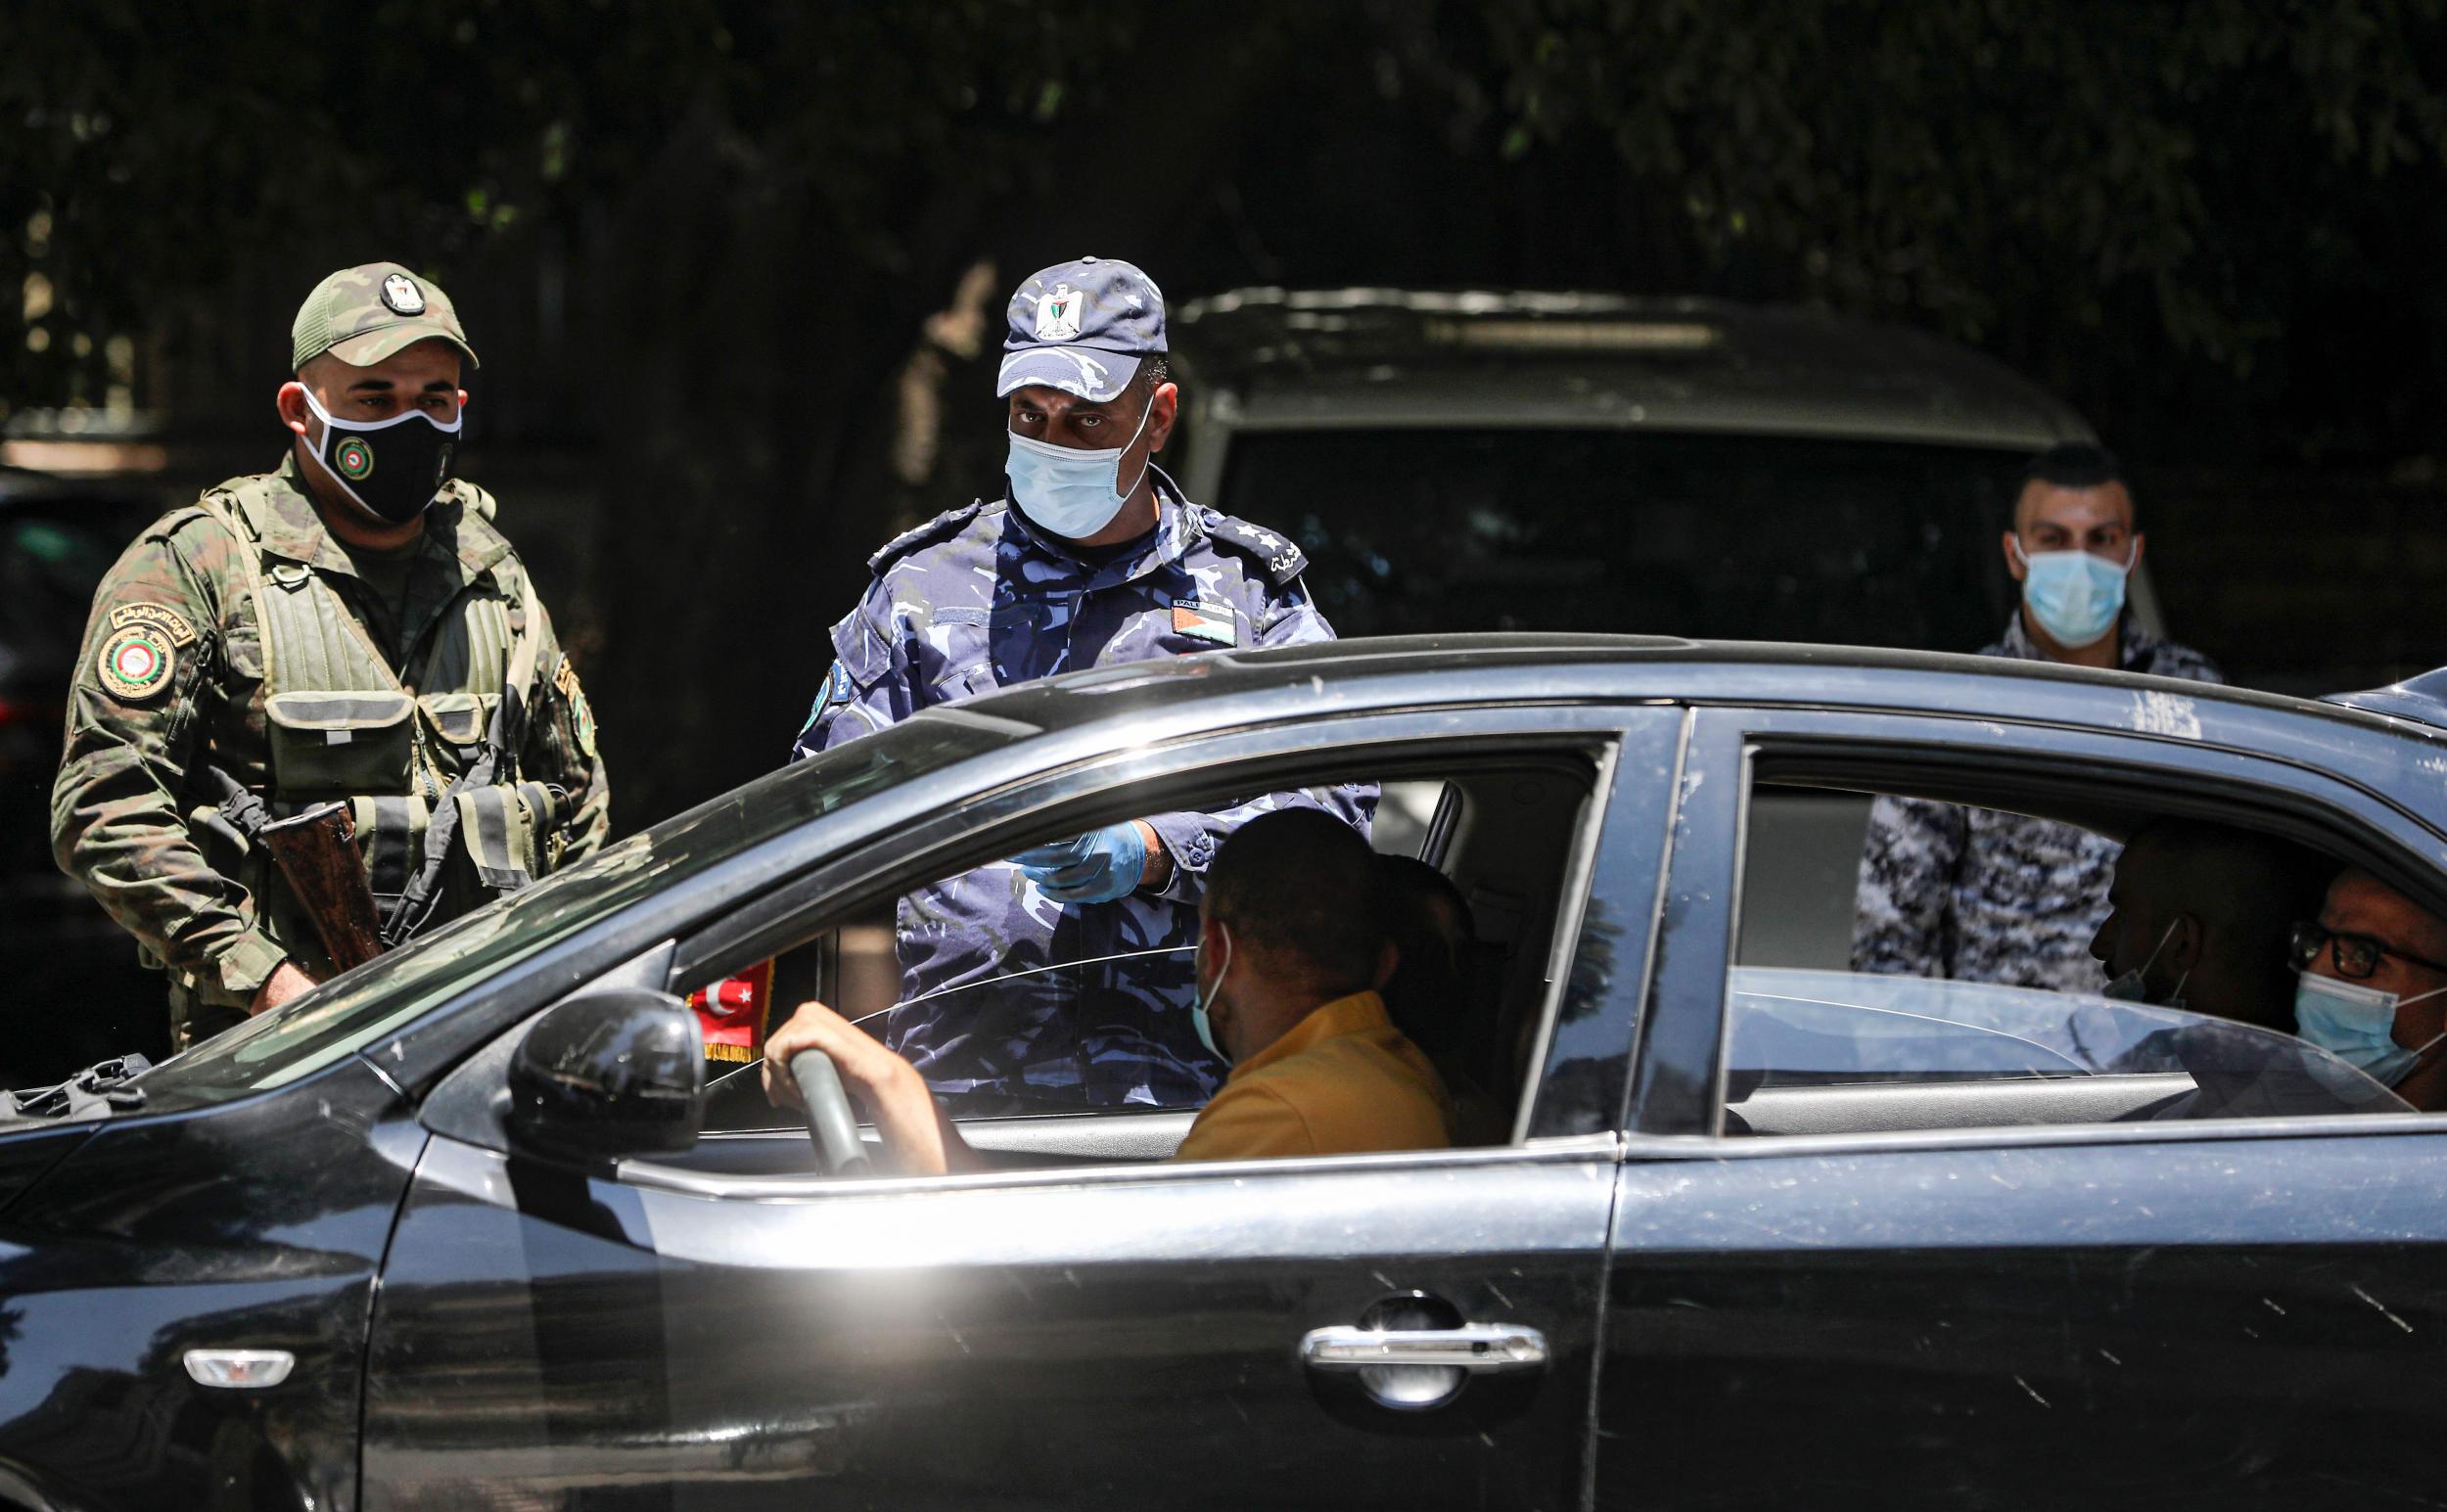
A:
<point x="1980" y="895"/>
<point x="1092" y="557"/>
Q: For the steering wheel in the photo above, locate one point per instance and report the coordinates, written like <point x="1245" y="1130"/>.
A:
<point x="831" y="1124"/>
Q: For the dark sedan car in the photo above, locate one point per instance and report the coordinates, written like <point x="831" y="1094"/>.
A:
<point x="464" y="1228"/>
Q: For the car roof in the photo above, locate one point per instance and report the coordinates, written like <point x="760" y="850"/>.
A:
<point x="1366" y="357"/>
<point x="1389" y="671"/>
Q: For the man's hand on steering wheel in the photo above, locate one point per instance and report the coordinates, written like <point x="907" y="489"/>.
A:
<point x="885" y="1085"/>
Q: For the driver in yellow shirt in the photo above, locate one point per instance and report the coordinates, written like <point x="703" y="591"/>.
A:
<point x="1291" y="949"/>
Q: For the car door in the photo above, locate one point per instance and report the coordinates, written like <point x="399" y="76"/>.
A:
<point x="1145" y="1335"/>
<point x="2223" y="1313"/>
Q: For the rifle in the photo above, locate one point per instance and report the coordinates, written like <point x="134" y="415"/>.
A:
<point x="317" y="852"/>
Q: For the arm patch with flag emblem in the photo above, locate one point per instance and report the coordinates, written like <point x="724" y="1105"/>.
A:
<point x="1200" y="621"/>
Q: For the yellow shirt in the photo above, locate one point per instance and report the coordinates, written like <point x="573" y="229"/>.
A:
<point x="1344" y="1081"/>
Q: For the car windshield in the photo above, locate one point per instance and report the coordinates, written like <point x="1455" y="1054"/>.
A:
<point x="1738" y="537"/>
<point x="1794" y="1028"/>
<point x="314" y="1031"/>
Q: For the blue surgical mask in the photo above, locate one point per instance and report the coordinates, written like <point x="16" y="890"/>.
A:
<point x="2134" y="986"/>
<point x="1072" y="493"/>
<point x="1206" y="999"/>
<point x="2073" y="595"/>
<point x="2356" y="1025"/>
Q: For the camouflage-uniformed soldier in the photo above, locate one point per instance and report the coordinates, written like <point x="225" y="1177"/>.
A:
<point x="1092" y="558"/>
<point x="343" y="629"/>
<point x="1980" y="895"/>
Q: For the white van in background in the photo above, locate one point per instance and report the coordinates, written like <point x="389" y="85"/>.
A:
<point x="1482" y="461"/>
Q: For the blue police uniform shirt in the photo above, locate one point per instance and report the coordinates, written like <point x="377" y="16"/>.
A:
<point x="978" y="600"/>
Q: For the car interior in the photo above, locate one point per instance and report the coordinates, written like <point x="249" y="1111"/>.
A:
<point x="1806" y="819"/>
<point x="1504" y="828"/>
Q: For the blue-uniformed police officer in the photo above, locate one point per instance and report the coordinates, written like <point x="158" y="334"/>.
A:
<point x="1092" y="557"/>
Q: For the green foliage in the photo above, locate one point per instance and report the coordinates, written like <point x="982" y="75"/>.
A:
<point x="149" y="147"/>
<point x="1971" y="160"/>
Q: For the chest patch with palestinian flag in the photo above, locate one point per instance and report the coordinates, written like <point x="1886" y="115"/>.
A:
<point x="1201" y="620"/>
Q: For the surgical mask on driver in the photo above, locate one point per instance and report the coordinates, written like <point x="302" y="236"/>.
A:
<point x="2132" y="985"/>
<point x="391" y="467"/>
<point x="2356" y="1025"/>
<point x="1198" y="1018"/>
<point x="1072" y="493"/>
<point x="2073" y="595"/>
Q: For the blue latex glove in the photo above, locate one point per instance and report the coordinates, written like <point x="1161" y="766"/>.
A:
<point x="1096" y="868"/>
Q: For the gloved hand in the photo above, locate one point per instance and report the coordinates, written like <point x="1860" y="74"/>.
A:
<point x="1096" y="868"/>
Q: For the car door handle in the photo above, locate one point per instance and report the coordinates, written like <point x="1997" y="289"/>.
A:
<point x="1477" y="1348"/>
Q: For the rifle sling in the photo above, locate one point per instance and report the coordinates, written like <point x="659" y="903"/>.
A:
<point x="421" y="896"/>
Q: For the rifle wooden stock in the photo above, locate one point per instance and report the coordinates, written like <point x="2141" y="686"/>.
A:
<point x="317" y="852"/>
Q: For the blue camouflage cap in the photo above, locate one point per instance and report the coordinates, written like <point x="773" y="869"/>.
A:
<point x="1081" y="326"/>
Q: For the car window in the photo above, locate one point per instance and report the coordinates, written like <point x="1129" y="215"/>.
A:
<point x="1903" y="964"/>
<point x="1739" y="537"/>
<point x="1835" y="1052"/>
<point x="1502" y="837"/>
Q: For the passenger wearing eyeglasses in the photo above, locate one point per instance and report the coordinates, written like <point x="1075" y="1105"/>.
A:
<point x="2374" y="987"/>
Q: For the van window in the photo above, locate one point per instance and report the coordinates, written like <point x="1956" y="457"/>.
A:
<point x="1737" y="538"/>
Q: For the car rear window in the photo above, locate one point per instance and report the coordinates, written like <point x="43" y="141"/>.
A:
<point x="1737" y="538"/>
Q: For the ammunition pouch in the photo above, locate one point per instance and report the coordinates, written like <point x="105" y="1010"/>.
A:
<point x="336" y="745"/>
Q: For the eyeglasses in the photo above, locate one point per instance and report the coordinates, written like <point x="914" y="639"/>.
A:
<point x="2356" y="955"/>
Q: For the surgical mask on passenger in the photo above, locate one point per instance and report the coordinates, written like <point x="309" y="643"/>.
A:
<point x="1072" y="493"/>
<point x="2356" y="1025"/>
<point x="1198" y="1010"/>
<point x="392" y="469"/>
<point x="2132" y="985"/>
<point x="2073" y="595"/>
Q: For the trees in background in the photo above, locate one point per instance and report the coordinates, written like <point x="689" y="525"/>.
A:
<point x="723" y="247"/>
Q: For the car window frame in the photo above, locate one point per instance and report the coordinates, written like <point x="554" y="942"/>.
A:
<point x="1371" y="744"/>
<point x="1679" y="1078"/>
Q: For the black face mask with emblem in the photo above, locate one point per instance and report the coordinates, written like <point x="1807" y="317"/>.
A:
<point x="392" y="469"/>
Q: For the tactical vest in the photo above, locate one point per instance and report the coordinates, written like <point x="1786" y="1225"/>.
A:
<point x="339" y="724"/>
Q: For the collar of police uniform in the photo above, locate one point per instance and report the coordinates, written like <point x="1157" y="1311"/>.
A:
<point x="1177" y="529"/>
<point x="2135" y="647"/>
<point x="294" y="529"/>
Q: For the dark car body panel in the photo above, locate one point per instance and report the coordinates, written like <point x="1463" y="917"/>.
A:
<point x="260" y="1224"/>
<point x="2236" y="1323"/>
<point x="2217" y="1313"/>
<point x="1118" y="1342"/>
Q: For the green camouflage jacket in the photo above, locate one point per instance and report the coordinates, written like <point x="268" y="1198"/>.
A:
<point x="171" y="683"/>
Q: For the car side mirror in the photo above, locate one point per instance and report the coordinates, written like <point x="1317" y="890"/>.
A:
<point x="612" y="1074"/>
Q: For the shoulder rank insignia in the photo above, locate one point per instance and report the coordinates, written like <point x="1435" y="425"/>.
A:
<point x="1278" y="557"/>
<point x="168" y="620"/>
<point x="136" y="661"/>
<point x="942" y="527"/>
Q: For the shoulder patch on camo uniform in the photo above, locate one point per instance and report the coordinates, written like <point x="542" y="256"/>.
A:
<point x="136" y="661"/>
<point x="171" y="623"/>
<point x="1278" y="557"/>
<point x="582" y="715"/>
<point x="942" y="527"/>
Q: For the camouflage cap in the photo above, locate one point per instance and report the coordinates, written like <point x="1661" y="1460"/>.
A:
<point x="364" y="314"/>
